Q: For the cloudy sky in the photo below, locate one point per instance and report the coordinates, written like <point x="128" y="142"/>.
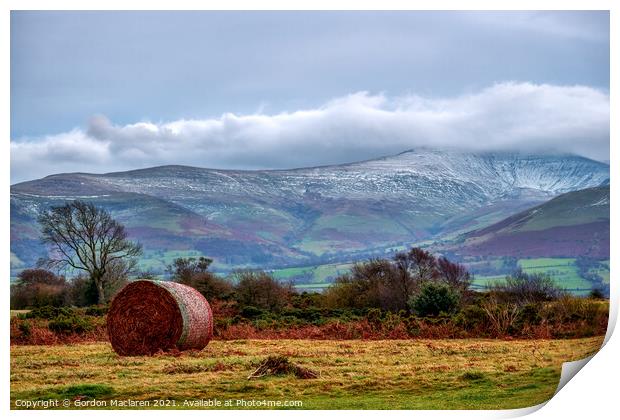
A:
<point x="107" y="91"/>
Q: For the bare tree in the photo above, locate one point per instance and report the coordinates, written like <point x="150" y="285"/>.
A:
<point x="523" y="288"/>
<point x="261" y="290"/>
<point x="418" y="264"/>
<point x="455" y="274"/>
<point x="84" y="237"/>
<point x="195" y="273"/>
<point x="183" y="269"/>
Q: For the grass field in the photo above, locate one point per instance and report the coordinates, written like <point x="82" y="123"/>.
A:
<point x="312" y="287"/>
<point x="562" y="270"/>
<point x="315" y="274"/>
<point x="394" y="374"/>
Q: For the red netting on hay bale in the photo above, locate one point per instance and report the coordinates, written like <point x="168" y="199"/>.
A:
<point x="147" y="316"/>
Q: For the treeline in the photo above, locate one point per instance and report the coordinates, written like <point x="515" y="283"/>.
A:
<point x="588" y="268"/>
<point x="412" y="295"/>
<point x="38" y="287"/>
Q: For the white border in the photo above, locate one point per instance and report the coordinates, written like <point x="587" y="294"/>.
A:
<point x="592" y="393"/>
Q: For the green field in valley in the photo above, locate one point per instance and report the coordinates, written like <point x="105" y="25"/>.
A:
<point x="316" y="277"/>
<point x="563" y="270"/>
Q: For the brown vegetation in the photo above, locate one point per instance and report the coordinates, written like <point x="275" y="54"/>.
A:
<point x="280" y="365"/>
<point x="568" y="317"/>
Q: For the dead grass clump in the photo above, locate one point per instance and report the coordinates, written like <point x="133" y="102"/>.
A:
<point x="35" y="365"/>
<point x="473" y="376"/>
<point x="280" y="365"/>
<point x="510" y="368"/>
<point x="439" y="368"/>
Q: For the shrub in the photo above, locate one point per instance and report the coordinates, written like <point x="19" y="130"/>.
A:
<point x="308" y="299"/>
<point x="471" y="317"/>
<point x="309" y="314"/>
<point x="262" y="324"/>
<point x="374" y="316"/>
<point x="597" y="293"/>
<point x="195" y="273"/>
<point x="251" y="312"/>
<point x="530" y="314"/>
<point x="501" y="316"/>
<point x="523" y="288"/>
<point x="70" y="324"/>
<point x="96" y="310"/>
<point x="49" y="312"/>
<point x="25" y="328"/>
<point x="434" y="299"/>
<point x="376" y="283"/>
<point x="473" y="376"/>
<point x="343" y="293"/>
<point x="571" y="309"/>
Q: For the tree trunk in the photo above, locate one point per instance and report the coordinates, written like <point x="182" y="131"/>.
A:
<point x="100" y="291"/>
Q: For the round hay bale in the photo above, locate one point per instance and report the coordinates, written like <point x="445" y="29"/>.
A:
<point x="147" y="316"/>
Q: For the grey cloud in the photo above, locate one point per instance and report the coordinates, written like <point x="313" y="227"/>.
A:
<point x="505" y="116"/>
<point x="167" y="65"/>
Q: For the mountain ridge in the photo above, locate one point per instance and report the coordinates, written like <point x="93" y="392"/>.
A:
<point x="274" y="217"/>
<point x="572" y="224"/>
<point x="344" y="164"/>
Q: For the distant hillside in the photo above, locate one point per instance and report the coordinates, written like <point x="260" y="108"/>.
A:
<point x="571" y="225"/>
<point x="305" y="216"/>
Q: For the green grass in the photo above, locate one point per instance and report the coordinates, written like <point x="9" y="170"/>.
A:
<point x="313" y="286"/>
<point x="357" y="224"/>
<point x="15" y="312"/>
<point x="330" y="271"/>
<point x="384" y="374"/>
<point x="287" y="273"/>
<point x="543" y="263"/>
<point x="350" y="232"/>
<point x="573" y="208"/>
<point x="562" y="270"/>
<point x="316" y="274"/>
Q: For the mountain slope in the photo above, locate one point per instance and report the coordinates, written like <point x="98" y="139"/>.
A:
<point x="280" y="217"/>
<point x="573" y="224"/>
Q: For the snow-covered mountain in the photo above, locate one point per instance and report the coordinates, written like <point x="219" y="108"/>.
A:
<point x="280" y="217"/>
